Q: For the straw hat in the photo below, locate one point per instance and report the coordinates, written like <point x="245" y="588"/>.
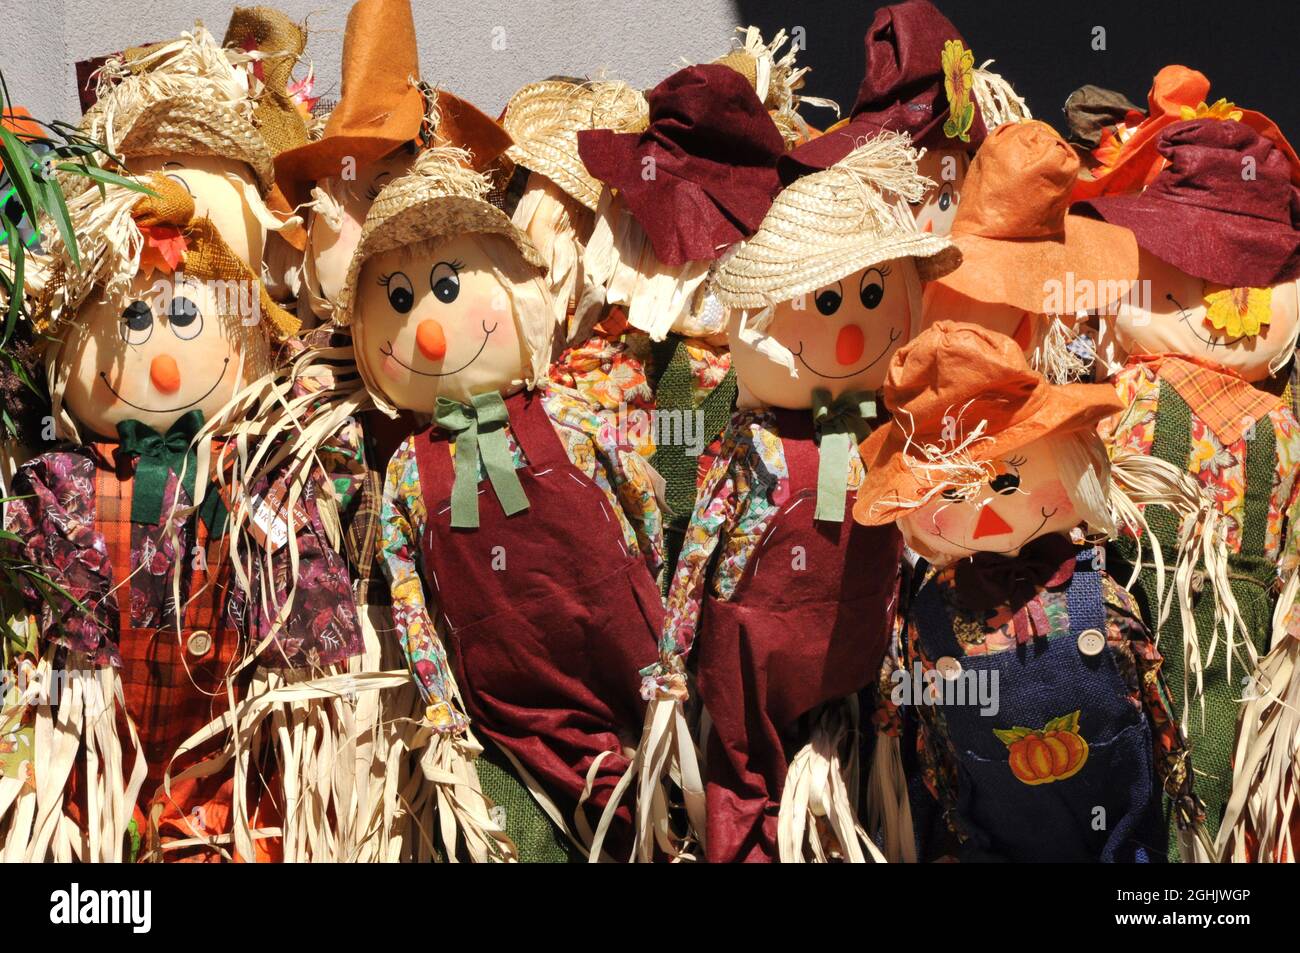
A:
<point x="832" y="223"/>
<point x="544" y="120"/>
<point x="441" y="196"/>
<point x="980" y="379"/>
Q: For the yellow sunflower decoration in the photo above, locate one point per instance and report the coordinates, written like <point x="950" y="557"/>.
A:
<point x="958" y="77"/>
<point x="1220" y="110"/>
<point x="1239" y="312"/>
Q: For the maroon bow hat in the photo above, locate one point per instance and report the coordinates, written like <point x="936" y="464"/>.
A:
<point x="903" y="90"/>
<point x="701" y="177"/>
<point x="1223" y="209"/>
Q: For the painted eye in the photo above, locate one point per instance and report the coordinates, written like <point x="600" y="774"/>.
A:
<point x="400" y="295"/>
<point x="137" y="322"/>
<point x="1005" y="483"/>
<point x="444" y="279"/>
<point x="184" y="318"/>
<point x="872" y="290"/>
<point x="951" y="495"/>
<point x="828" y="300"/>
<point x="946" y="199"/>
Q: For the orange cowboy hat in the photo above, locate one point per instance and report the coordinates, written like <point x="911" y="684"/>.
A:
<point x="1130" y="162"/>
<point x="1014" y="231"/>
<point x="944" y="384"/>
<point x="381" y="107"/>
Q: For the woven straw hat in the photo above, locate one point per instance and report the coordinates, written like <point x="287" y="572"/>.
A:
<point x="544" y="120"/>
<point x="440" y="196"/>
<point x="832" y="223"/>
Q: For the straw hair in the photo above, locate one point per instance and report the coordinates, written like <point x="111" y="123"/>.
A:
<point x="835" y="222"/>
<point x="776" y="80"/>
<point x="997" y="101"/>
<point x="441" y="196"/>
<point x="184" y="97"/>
<point x="544" y="120"/>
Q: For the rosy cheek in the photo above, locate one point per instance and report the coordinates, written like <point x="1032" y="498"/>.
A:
<point x="102" y="392"/>
<point x="1050" y="496"/>
<point x="942" y="521"/>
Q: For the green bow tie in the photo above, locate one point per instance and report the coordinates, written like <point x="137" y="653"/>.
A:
<point x="480" y="428"/>
<point x="840" y="424"/>
<point x="161" y="454"/>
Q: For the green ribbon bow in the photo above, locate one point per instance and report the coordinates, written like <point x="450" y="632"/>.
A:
<point x="840" y="424"/>
<point x="161" y="454"/>
<point x="480" y="429"/>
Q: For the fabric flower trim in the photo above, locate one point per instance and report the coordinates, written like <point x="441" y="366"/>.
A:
<point x="1222" y="109"/>
<point x="1239" y="312"/>
<point x="958" y="77"/>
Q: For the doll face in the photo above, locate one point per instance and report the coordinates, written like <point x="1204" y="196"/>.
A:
<point x="947" y="169"/>
<point x="1025" y="499"/>
<point x="207" y="179"/>
<point x="941" y="303"/>
<point x="842" y="337"/>
<point x="331" y="244"/>
<point x="1176" y="313"/>
<point x="164" y="350"/>
<point x="437" y="323"/>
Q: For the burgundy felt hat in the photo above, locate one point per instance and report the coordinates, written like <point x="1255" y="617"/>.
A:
<point x="903" y="90"/>
<point x="1223" y="209"/>
<point x="713" y="175"/>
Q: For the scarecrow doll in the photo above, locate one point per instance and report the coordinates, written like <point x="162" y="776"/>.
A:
<point x="783" y="605"/>
<point x="1028" y="267"/>
<point x="1217" y="318"/>
<point x="920" y="80"/>
<point x="510" y="525"/>
<point x="153" y="624"/>
<point x="1043" y="730"/>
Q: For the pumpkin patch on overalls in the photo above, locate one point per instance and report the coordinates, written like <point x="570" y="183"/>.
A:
<point x="1054" y="753"/>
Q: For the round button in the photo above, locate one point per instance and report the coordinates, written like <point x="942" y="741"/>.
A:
<point x="1091" y="642"/>
<point x="949" y="668"/>
<point x="198" y="643"/>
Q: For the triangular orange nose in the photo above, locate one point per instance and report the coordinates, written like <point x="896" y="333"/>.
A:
<point x="990" y="524"/>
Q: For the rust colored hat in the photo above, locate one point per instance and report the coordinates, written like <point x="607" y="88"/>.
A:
<point x="1015" y="234"/>
<point x="966" y="394"/>
<point x="381" y="107"/>
<point x="1130" y="162"/>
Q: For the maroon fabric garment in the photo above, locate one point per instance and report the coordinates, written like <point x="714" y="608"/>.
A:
<point x="902" y="90"/>
<point x="549" y="616"/>
<point x="703" y="174"/>
<point x="790" y="639"/>
<point x="1204" y="216"/>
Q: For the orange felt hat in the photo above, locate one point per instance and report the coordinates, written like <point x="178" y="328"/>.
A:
<point x="381" y="108"/>
<point x="1130" y="162"/>
<point x="966" y="394"/>
<point x="1015" y="234"/>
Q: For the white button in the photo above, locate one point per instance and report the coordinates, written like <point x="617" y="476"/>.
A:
<point x="1091" y="642"/>
<point x="949" y="668"/>
<point x="198" y="643"/>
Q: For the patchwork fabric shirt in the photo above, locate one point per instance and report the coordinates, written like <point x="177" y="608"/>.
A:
<point x="591" y="440"/>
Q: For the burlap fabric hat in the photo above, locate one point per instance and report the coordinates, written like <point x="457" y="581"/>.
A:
<point x="441" y="196"/>
<point x="544" y="120"/>
<point x="278" y="42"/>
<point x="832" y="223"/>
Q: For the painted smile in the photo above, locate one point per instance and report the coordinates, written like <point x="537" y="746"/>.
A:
<point x="386" y="349"/>
<point x="894" y="335"/>
<point x="167" y="410"/>
<point x="1209" y="342"/>
<point x="1046" y="516"/>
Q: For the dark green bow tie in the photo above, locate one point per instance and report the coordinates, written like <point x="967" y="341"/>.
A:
<point x="157" y="456"/>
<point x="840" y="424"/>
<point x="479" y="429"/>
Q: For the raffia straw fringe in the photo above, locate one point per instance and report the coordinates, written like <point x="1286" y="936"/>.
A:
<point x="1259" y="822"/>
<point x="996" y="99"/>
<point x="34" y="823"/>
<point x="1053" y="357"/>
<point x="889" y="810"/>
<point x="821" y="787"/>
<point x="666" y="753"/>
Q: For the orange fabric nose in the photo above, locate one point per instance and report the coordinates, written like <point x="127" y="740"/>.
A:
<point x="990" y="524"/>
<point x="431" y="340"/>
<point x="849" y="345"/>
<point x="164" y="373"/>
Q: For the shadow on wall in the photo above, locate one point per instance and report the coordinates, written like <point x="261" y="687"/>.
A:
<point x="1045" y="49"/>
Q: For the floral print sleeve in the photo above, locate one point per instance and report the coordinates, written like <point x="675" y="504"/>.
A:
<point x="401" y="522"/>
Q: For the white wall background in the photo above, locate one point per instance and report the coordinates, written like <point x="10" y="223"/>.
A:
<point x="640" y="41"/>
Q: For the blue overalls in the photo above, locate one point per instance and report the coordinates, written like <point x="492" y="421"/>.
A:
<point x="1109" y="810"/>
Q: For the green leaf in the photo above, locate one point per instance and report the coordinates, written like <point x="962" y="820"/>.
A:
<point x="19" y="160"/>
<point x="107" y="178"/>
<point x="57" y="209"/>
<point x="17" y="255"/>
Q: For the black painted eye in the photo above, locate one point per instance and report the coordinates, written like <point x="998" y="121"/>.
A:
<point x="137" y="322"/>
<point x="951" y="495"/>
<point x="400" y="295"/>
<point x="1005" y="483"/>
<point x="444" y="279"/>
<point x="828" y="300"/>
<point x="872" y="289"/>
<point x="13" y="209"/>
<point x="945" y="200"/>
<point x="184" y="317"/>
